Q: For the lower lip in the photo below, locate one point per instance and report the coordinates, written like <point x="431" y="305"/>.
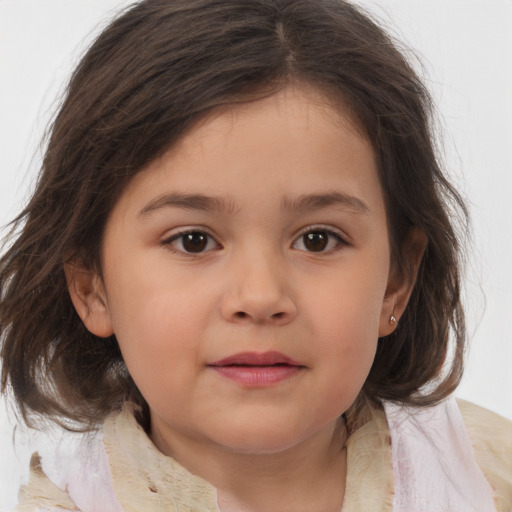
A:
<point x="258" y="376"/>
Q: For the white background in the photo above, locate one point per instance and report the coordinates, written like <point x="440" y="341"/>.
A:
<point x="466" y="48"/>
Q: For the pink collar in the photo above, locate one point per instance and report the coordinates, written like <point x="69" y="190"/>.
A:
<point x="434" y="465"/>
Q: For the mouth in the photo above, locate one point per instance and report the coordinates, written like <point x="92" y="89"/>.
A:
<point x="253" y="369"/>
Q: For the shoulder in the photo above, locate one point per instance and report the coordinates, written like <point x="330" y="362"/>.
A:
<point x="486" y="427"/>
<point x="40" y="494"/>
<point x="491" y="438"/>
<point x="71" y="474"/>
<point x="435" y="448"/>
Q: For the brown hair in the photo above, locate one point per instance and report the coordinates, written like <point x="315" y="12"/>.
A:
<point x="161" y="66"/>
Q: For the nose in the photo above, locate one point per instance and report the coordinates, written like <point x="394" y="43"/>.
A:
<point x="258" y="293"/>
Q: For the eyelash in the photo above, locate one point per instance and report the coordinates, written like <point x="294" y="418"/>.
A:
<point x="168" y="242"/>
<point x="331" y="233"/>
<point x="340" y="240"/>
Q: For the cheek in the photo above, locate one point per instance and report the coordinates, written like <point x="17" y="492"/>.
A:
<point x="348" y="354"/>
<point x="350" y="304"/>
<point x="348" y="347"/>
<point x="158" y="329"/>
<point x="346" y="318"/>
<point x="150" y="300"/>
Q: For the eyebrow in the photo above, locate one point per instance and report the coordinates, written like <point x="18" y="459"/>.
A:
<point x="301" y="204"/>
<point x="188" y="202"/>
<point x="313" y="202"/>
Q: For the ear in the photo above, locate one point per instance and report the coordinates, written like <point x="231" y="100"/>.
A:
<point x="88" y="296"/>
<point x="401" y="282"/>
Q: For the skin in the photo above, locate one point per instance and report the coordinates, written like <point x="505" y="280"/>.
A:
<point x="257" y="286"/>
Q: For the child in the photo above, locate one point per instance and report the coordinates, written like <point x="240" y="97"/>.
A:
<point x="242" y="277"/>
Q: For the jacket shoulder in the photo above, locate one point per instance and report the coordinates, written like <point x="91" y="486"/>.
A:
<point x="40" y="494"/>
<point x="491" y="437"/>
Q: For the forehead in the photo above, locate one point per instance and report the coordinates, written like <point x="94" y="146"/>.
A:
<point x="290" y="144"/>
<point x="297" y="108"/>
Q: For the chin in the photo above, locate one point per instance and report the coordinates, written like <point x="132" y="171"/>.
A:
<point x="257" y="439"/>
<point x="260" y="446"/>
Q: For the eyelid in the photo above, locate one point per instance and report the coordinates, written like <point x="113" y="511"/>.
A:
<point x="183" y="230"/>
<point x="343" y="240"/>
<point x="175" y="235"/>
<point x="339" y="235"/>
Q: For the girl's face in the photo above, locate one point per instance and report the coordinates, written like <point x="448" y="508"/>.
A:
<point x="246" y="276"/>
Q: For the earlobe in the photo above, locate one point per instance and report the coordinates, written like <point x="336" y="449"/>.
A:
<point x="87" y="293"/>
<point x="401" y="282"/>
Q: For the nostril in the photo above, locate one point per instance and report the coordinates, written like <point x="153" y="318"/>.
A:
<point x="276" y="317"/>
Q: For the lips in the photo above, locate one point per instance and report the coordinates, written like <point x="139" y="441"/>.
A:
<point x="252" y="369"/>
<point x="256" y="359"/>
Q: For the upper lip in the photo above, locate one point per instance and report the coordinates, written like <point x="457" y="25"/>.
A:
<point x="256" y="359"/>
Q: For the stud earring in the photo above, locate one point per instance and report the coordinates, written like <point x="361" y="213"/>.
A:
<point x="393" y="320"/>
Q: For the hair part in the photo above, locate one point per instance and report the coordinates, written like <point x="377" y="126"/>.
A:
<point x="156" y="71"/>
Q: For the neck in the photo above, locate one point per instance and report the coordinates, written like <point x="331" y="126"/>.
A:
<point x="306" y="478"/>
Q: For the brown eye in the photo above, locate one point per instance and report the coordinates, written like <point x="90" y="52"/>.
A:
<point x="194" y="242"/>
<point x="316" y="241"/>
<point x="191" y="242"/>
<point x="319" y="240"/>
